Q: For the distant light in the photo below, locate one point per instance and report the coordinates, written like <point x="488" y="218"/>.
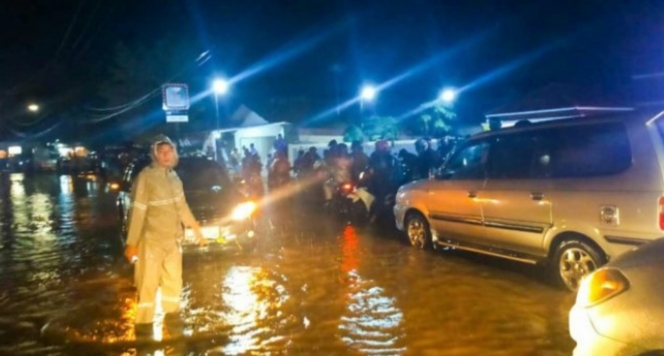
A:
<point x="220" y="86"/>
<point x="448" y="95"/>
<point x="14" y="150"/>
<point x="368" y="93"/>
<point x="33" y="107"/>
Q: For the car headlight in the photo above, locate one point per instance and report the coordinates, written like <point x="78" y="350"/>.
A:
<point x="243" y="211"/>
<point x="600" y="286"/>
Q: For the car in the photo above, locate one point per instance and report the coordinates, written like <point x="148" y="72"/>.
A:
<point x="226" y="216"/>
<point x="618" y="309"/>
<point x="570" y="194"/>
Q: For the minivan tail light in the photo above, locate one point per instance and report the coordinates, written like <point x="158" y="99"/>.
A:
<point x="661" y="213"/>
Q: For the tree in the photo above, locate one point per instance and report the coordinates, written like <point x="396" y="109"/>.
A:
<point x="353" y="133"/>
<point x="380" y="128"/>
<point x="437" y="121"/>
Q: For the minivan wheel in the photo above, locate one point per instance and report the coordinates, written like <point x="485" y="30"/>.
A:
<point x="573" y="260"/>
<point x="418" y="232"/>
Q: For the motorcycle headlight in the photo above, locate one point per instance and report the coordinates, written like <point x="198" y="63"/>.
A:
<point x="243" y="211"/>
<point x="601" y="285"/>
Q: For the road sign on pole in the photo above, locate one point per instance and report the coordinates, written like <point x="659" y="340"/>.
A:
<point x="175" y="97"/>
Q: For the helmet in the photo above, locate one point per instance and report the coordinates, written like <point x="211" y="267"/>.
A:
<point x="421" y="145"/>
<point x="382" y="145"/>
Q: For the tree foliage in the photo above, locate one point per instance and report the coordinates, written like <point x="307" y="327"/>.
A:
<point x="353" y="133"/>
<point x="380" y="128"/>
<point x="438" y="121"/>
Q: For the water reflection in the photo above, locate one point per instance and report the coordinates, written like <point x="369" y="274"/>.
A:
<point x="310" y="291"/>
<point x="372" y="321"/>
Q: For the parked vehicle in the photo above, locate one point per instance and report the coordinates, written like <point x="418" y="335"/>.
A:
<point x="226" y="216"/>
<point x="618" y="310"/>
<point x="571" y="193"/>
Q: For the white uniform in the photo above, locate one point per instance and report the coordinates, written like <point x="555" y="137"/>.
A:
<point x="158" y="212"/>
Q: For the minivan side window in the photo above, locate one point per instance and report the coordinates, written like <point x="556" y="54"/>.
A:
<point x="467" y="163"/>
<point x="587" y="151"/>
<point x="511" y="157"/>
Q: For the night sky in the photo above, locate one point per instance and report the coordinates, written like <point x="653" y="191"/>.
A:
<point x="57" y="51"/>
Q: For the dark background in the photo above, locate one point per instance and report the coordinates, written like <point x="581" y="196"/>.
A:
<point x="311" y="54"/>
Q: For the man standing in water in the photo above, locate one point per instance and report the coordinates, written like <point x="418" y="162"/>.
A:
<point x="158" y="212"/>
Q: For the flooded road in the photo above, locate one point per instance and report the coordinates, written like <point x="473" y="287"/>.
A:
<point x="319" y="288"/>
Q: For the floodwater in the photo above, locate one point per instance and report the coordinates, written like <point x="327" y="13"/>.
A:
<point x="313" y="288"/>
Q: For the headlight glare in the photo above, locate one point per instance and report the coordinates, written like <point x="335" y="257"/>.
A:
<point x="243" y="211"/>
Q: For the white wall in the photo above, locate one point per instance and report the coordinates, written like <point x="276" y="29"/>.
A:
<point x="262" y="137"/>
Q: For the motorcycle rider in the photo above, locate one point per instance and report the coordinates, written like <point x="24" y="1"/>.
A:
<point x="339" y="169"/>
<point x="359" y="158"/>
<point x="158" y="212"/>
<point x="279" y="172"/>
<point x="409" y="162"/>
<point x="428" y="159"/>
<point x="383" y="170"/>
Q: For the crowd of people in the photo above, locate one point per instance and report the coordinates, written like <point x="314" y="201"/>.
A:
<point x="340" y="162"/>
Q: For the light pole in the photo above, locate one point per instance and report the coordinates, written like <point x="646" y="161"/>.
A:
<point x="368" y="94"/>
<point x="219" y="87"/>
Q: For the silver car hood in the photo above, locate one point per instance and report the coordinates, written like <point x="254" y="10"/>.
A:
<point x="650" y="254"/>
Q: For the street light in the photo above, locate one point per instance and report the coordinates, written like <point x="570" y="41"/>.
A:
<point x="220" y="86"/>
<point x="368" y="93"/>
<point x="448" y="95"/>
<point x="33" y="107"/>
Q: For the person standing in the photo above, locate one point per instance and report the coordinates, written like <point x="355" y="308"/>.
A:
<point x="155" y="231"/>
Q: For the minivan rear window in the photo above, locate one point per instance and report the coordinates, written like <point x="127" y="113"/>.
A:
<point x="586" y="151"/>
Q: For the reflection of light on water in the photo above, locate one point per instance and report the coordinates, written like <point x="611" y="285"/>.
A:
<point x="246" y="309"/>
<point x="372" y="323"/>
<point x="66" y="184"/>
<point x="17" y="187"/>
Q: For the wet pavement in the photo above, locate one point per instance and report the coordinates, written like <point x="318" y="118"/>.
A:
<point x="313" y="288"/>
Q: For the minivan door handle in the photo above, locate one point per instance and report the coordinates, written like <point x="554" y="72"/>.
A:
<point x="536" y="196"/>
<point x="472" y="194"/>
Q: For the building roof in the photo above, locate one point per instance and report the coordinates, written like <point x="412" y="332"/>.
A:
<point x="557" y="101"/>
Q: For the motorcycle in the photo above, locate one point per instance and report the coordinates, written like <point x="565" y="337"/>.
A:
<point x="351" y="203"/>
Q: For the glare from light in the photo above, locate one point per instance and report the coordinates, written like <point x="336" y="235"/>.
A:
<point x="368" y="93"/>
<point x="14" y="150"/>
<point x="33" y="107"/>
<point x="220" y="86"/>
<point x="243" y="211"/>
<point x="448" y="95"/>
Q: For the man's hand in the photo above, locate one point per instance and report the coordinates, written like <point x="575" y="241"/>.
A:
<point x="131" y="253"/>
<point x="202" y="241"/>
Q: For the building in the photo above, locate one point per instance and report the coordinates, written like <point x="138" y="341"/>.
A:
<point x="554" y="102"/>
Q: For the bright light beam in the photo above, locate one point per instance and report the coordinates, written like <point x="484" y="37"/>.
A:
<point x="448" y="95"/>
<point x="284" y="54"/>
<point x="418" y="68"/>
<point x="511" y="66"/>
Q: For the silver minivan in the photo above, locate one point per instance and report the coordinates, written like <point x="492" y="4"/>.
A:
<point x="572" y="193"/>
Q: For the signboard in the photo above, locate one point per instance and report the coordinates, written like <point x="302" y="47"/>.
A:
<point x="175" y="97"/>
<point x="177" y="117"/>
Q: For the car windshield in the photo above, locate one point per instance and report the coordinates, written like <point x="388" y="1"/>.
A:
<point x="201" y="174"/>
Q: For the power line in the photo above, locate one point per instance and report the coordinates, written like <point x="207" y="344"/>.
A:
<point x="86" y="26"/>
<point x="71" y="26"/>
<point x="53" y="60"/>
